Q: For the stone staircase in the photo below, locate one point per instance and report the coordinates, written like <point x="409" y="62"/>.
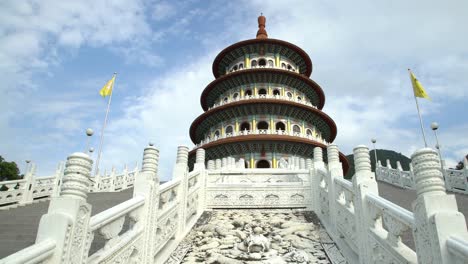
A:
<point x="18" y="226"/>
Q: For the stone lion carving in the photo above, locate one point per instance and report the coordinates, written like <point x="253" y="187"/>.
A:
<point x="256" y="242"/>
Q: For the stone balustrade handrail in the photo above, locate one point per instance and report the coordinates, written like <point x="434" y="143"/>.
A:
<point x="262" y="96"/>
<point x="37" y="253"/>
<point x="262" y="132"/>
<point x="394" y="210"/>
<point x="345" y="184"/>
<point x="458" y="247"/>
<point x="115" y="212"/>
<point x="168" y="185"/>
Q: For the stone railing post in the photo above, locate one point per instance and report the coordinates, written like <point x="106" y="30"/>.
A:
<point x="435" y="212"/>
<point x="335" y="170"/>
<point x="29" y="185"/>
<point x="364" y="183"/>
<point x="125" y="178"/>
<point x="317" y="165"/>
<point x="211" y="165"/>
<point x="67" y="220"/>
<point x="112" y="180"/>
<point x="218" y="164"/>
<point x="97" y="181"/>
<point x="200" y="159"/>
<point x="58" y="179"/>
<point x="181" y="172"/>
<point x="147" y="185"/>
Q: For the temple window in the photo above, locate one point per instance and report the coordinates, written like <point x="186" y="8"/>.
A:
<point x="271" y="64"/>
<point x="296" y="129"/>
<point x="241" y="66"/>
<point x="245" y="126"/>
<point x="235" y="68"/>
<point x="262" y="62"/>
<point x="216" y="133"/>
<point x="263" y="164"/>
<point x="289" y="94"/>
<point x="229" y="130"/>
<point x="254" y="63"/>
<point x="276" y="92"/>
<point x="289" y="67"/>
<point x="225" y="99"/>
<point x="299" y="98"/>
<point x="262" y="91"/>
<point x="283" y="65"/>
<point x="309" y="132"/>
<point x="262" y="125"/>
<point x="235" y="95"/>
<point x="280" y="126"/>
<point x="248" y="92"/>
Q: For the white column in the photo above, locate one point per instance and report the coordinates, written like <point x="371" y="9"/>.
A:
<point x="200" y="159"/>
<point x="364" y="183"/>
<point x="211" y="165"/>
<point x="224" y="163"/>
<point x="302" y="164"/>
<point x="67" y="220"/>
<point x="147" y="184"/>
<point x="218" y="164"/>
<point x="309" y="164"/>
<point x="182" y="173"/>
<point x="435" y="212"/>
<point x="58" y="179"/>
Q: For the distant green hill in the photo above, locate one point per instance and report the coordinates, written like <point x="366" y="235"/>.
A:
<point x="382" y="155"/>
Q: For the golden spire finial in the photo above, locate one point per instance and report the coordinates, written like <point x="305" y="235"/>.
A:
<point x="261" y="33"/>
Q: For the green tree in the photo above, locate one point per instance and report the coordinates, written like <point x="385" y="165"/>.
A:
<point x="8" y="170"/>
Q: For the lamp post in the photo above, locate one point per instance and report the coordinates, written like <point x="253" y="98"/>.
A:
<point x="434" y="127"/>
<point x="89" y="133"/>
<point x="375" y="152"/>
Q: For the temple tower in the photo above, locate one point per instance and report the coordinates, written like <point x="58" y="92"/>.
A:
<point x="262" y="107"/>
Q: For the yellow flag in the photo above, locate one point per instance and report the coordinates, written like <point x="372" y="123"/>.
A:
<point x="418" y="89"/>
<point x="107" y="89"/>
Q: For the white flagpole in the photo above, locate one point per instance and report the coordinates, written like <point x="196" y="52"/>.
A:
<point x="421" y="122"/>
<point x="103" y="127"/>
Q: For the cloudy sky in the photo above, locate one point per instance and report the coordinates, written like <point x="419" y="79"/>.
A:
<point x="56" y="55"/>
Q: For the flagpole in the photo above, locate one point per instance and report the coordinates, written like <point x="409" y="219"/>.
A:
<point x="102" y="130"/>
<point x="421" y="122"/>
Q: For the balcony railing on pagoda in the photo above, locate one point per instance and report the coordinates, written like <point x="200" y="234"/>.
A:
<point x="262" y="66"/>
<point x="263" y="96"/>
<point x="263" y="132"/>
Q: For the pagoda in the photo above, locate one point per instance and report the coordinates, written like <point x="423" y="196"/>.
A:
<point x="262" y="110"/>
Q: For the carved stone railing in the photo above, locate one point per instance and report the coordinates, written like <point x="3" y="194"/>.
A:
<point x="31" y="188"/>
<point x="114" y="182"/>
<point x="262" y="132"/>
<point x="455" y="180"/>
<point x="262" y="96"/>
<point x="143" y="229"/>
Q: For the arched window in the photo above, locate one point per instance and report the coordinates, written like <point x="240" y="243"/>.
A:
<point x="296" y="129"/>
<point x="225" y="99"/>
<point x="289" y="67"/>
<point x="245" y="126"/>
<point x="229" y="130"/>
<point x="271" y="64"/>
<point x="216" y="133"/>
<point x="276" y="92"/>
<point x="235" y="95"/>
<point x="248" y="92"/>
<point x="262" y="125"/>
<point x="254" y="63"/>
<point x="280" y="126"/>
<point x="289" y="94"/>
<point x="263" y="164"/>
<point x="299" y="98"/>
<point x="235" y="67"/>
<point x="246" y="164"/>
<point x="262" y="91"/>
<point x="262" y="62"/>
<point x="309" y="132"/>
<point x="283" y="65"/>
<point x="241" y="66"/>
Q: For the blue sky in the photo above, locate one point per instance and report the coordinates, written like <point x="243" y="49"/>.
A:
<point x="56" y="55"/>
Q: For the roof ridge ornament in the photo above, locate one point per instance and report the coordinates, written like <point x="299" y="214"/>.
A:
<point x="261" y="33"/>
